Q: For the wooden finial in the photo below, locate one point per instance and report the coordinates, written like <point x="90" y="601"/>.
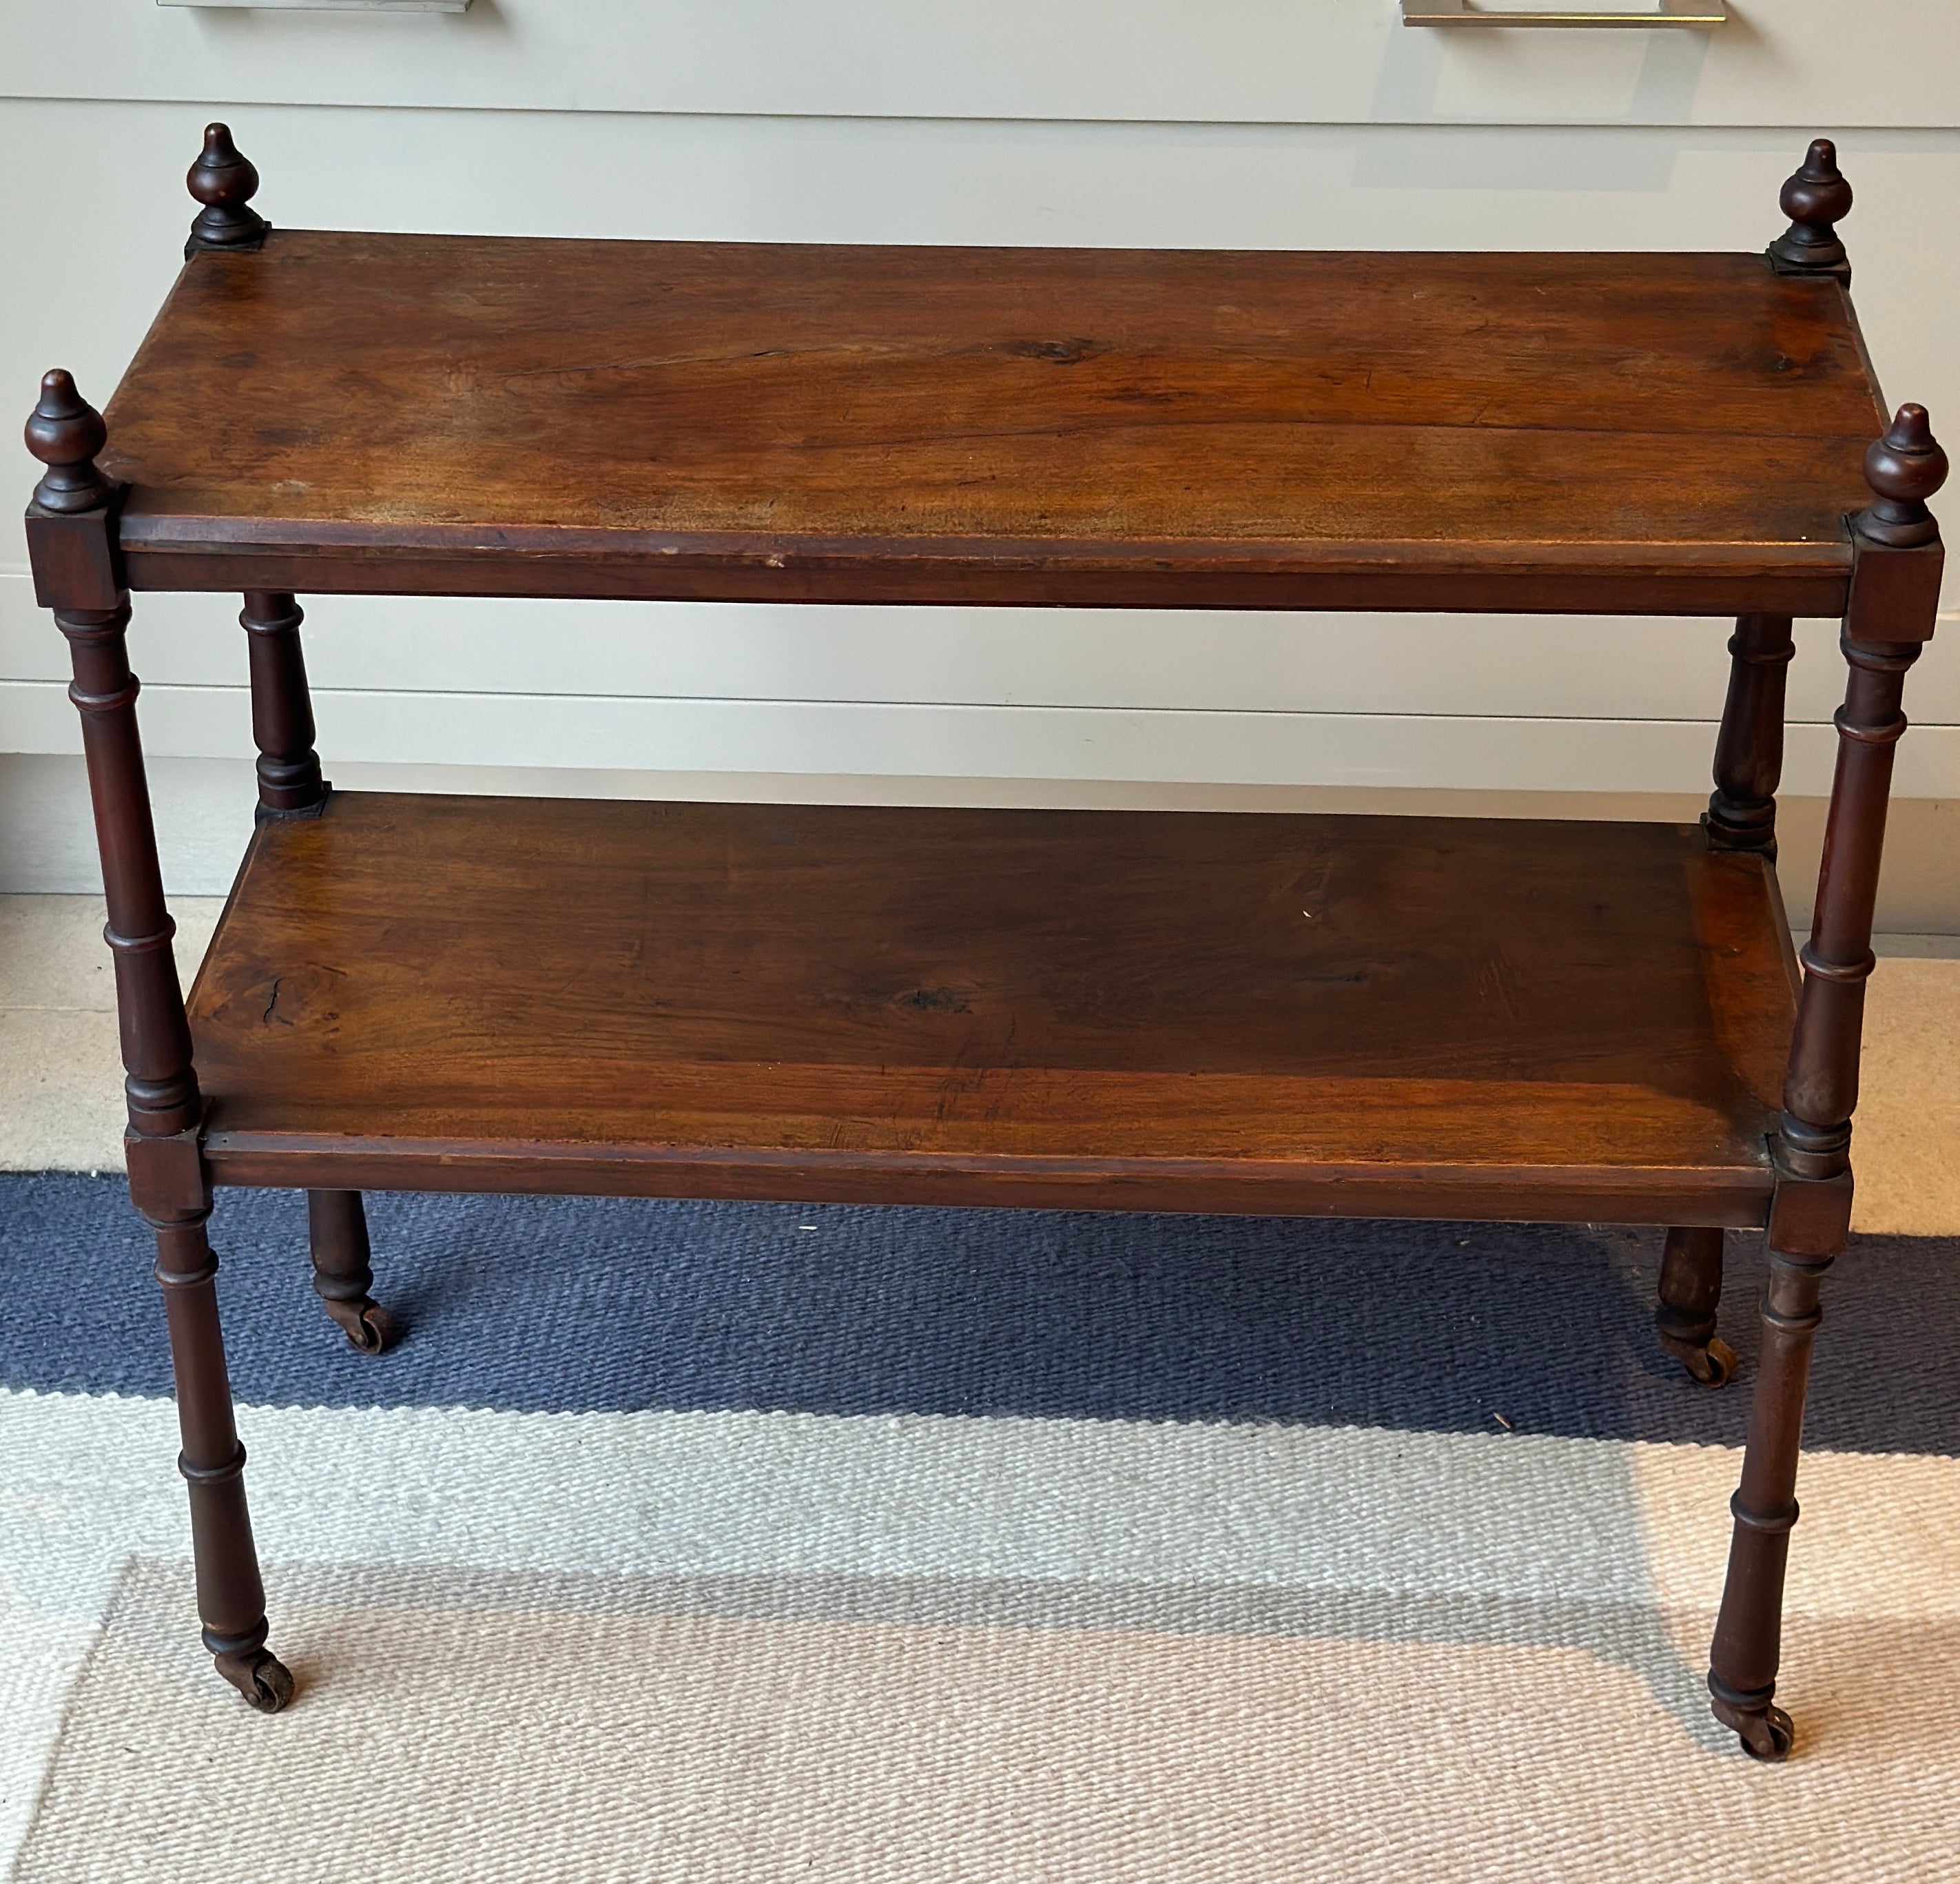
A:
<point x="1816" y="200"/>
<point x="1905" y="467"/>
<point x="65" y="431"/>
<point x="224" y="183"/>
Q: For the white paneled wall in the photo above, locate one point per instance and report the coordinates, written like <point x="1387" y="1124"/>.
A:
<point x="1317" y="124"/>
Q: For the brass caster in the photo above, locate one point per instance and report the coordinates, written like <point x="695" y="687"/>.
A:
<point x="369" y="1328"/>
<point x="1713" y="1365"/>
<point x="261" y="1677"/>
<point x="1766" y="1735"/>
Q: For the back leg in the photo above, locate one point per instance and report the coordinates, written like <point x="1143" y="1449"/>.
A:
<point x="1691" y="1287"/>
<point x="341" y="1277"/>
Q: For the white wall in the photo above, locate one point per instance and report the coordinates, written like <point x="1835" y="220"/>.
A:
<point x="1248" y="122"/>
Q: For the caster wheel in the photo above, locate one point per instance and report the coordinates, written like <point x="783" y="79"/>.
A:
<point x="369" y="1328"/>
<point x="1713" y="1365"/>
<point x="262" y="1678"/>
<point x="1765" y="1736"/>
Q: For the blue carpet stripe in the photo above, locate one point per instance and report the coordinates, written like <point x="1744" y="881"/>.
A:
<point x="580" y="1304"/>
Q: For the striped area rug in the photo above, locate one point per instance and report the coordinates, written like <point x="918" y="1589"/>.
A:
<point x="692" y="1541"/>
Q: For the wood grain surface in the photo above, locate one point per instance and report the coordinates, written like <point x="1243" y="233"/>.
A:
<point x="1619" y="432"/>
<point x="1405" y="1016"/>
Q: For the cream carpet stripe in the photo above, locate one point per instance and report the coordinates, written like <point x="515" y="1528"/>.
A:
<point x="85" y="1483"/>
<point x="41" y="1655"/>
<point x="547" y="1740"/>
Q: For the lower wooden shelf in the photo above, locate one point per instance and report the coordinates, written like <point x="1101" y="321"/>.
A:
<point x="1364" y="1016"/>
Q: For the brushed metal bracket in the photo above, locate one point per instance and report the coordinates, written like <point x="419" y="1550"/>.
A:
<point x="1693" y="13"/>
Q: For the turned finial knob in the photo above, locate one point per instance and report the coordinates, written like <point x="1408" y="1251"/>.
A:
<point x="224" y="181"/>
<point x="65" y="431"/>
<point x="1816" y="199"/>
<point x="1903" y="468"/>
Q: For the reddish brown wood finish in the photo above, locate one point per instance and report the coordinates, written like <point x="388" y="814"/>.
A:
<point x="224" y="183"/>
<point x="1690" y="1291"/>
<point x="1429" y="1016"/>
<point x="1810" y="1215"/>
<point x="1747" y="1649"/>
<point x="230" y="1599"/>
<point x="1391" y="1017"/>
<point x="342" y="1273"/>
<point x="1821" y="1092"/>
<point x="162" y="1083"/>
<point x="1678" y="432"/>
<point x="1748" y="755"/>
<point x="164" y="1105"/>
<point x="290" y="785"/>
<point x="1816" y="199"/>
<point x="167" y="1182"/>
<point x="65" y="431"/>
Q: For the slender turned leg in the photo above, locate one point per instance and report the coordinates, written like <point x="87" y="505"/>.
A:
<point x="1748" y="751"/>
<point x="289" y="786"/>
<point x="341" y="1275"/>
<point x="1691" y="1288"/>
<point x="165" y="1172"/>
<point x="230" y="1600"/>
<point x="1741" y="816"/>
<point x="1894" y="588"/>
<point x="1820" y="1093"/>
<point x="1748" y="1634"/>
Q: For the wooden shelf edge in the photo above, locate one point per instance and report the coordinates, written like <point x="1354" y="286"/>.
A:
<point x="962" y="575"/>
<point x="1734" y="1199"/>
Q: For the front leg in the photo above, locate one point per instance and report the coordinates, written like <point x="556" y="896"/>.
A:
<point x="230" y="1599"/>
<point x="1894" y="593"/>
<point x="167" y="1177"/>
<point x="71" y="535"/>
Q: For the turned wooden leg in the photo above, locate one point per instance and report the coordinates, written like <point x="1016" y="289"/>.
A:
<point x="70" y="526"/>
<point x="1810" y="1214"/>
<point x="231" y="1599"/>
<point x="290" y="785"/>
<point x="165" y="1172"/>
<point x="1894" y="596"/>
<point x="341" y="1276"/>
<point x="1748" y="751"/>
<point x="1690" y="1288"/>
<point x="1748" y="1634"/>
<point x="1741" y="816"/>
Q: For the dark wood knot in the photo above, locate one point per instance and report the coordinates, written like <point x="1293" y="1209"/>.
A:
<point x="1816" y="198"/>
<point x="1903" y="468"/>
<point x="225" y="183"/>
<point x="65" y="431"/>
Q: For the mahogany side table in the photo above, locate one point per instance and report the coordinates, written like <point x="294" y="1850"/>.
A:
<point x="1552" y="1020"/>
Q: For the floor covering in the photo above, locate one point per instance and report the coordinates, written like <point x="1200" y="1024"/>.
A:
<point x="751" y="1542"/>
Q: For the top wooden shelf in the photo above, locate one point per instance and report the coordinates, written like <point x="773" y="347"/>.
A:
<point x="442" y="414"/>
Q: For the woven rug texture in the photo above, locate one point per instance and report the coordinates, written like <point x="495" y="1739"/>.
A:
<point x="747" y="1542"/>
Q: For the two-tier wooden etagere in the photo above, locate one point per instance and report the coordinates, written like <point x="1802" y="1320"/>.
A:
<point x="1509" y="1020"/>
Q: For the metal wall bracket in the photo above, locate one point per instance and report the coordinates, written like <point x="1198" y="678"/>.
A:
<point x="1696" y="13"/>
